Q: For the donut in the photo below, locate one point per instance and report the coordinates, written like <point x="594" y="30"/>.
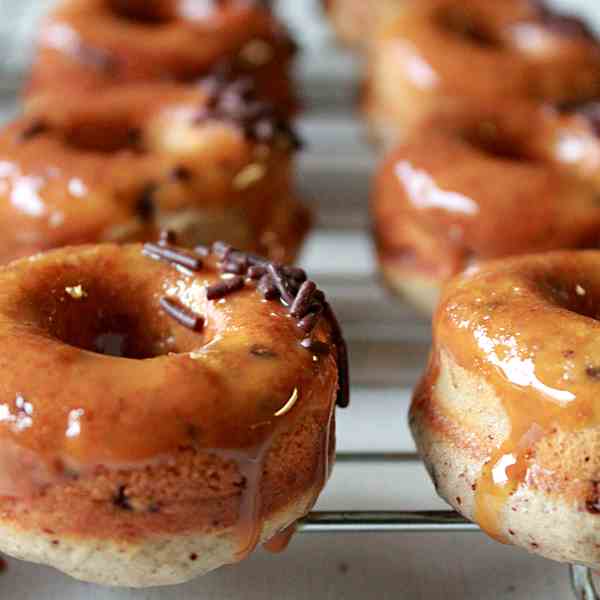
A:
<point x="89" y="45"/>
<point x="506" y="416"/>
<point x="482" y="184"/>
<point x="210" y="162"/>
<point x="163" y="410"/>
<point x="440" y="53"/>
<point x="356" y="22"/>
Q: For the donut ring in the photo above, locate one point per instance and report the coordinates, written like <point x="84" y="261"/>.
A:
<point x="209" y="162"/>
<point x="143" y="448"/>
<point x="442" y="53"/>
<point x="506" y="417"/>
<point x="88" y="45"/>
<point x="466" y="188"/>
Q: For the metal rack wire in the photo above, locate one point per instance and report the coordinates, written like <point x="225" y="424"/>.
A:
<point x="437" y="521"/>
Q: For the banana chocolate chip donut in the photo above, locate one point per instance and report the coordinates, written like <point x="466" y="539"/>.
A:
<point x="469" y="187"/>
<point x="507" y="417"/>
<point x="87" y="45"/>
<point x="210" y="162"/>
<point x="162" y="411"/>
<point x="356" y="21"/>
<point x="440" y="53"/>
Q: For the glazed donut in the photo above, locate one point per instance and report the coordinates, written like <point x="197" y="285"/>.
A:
<point x="506" y="417"/>
<point x="87" y="45"/>
<point x="163" y="411"/>
<point x="469" y="187"/>
<point x="210" y="162"/>
<point x="356" y="22"/>
<point x="441" y="53"/>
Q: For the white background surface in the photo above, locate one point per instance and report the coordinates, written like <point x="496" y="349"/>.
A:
<point x="388" y="347"/>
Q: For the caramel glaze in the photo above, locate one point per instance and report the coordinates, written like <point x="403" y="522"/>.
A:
<point x="118" y="422"/>
<point x="129" y="162"/>
<point x="479" y="184"/>
<point x="442" y="53"/>
<point x="356" y="22"/>
<point x="529" y="327"/>
<point x="88" y="45"/>
<point x="281" y="541"/>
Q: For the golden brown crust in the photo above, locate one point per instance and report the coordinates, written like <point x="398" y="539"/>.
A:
<point x="89" y="45"/>
<point x="141" y="427"/>
<point x="127" y="163"/>
<point x="418" y="63"/>
<point x="506" y="415"/>
<point x="474" y="185"/>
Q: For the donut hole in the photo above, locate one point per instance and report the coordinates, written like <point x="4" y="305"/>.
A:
<point x="488" y="138"/>
<point x="144" y="12"/>
<point x="577" y="295"/>
<point x="103" y="137"/>
<point x="458" y="22"/>
<point x="98" y="317"/>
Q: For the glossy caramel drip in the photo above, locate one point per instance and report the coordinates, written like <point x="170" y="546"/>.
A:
<point x="280" y="541"/>
<point x="223" y="390"/>
<point x="528" y="327"/>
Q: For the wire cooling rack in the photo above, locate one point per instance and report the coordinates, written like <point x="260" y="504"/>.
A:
<point x="435" y="521"/>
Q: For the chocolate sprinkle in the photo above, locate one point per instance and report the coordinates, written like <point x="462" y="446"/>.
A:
<point x="182" y="314"/>
<point x="234" y="99"/>
<point x="256" y="272"/>
<point x="267" y="288"/>
<point x="173" y="255"/>
<point x="305" y="302"/>
<point x="224" y="288"/>
<point x="282" y="283"/>
<point x="222" y="250"/>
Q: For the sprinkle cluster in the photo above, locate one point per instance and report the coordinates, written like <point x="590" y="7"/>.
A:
<point x="288" y="285"/>
<point x="233" y="98"/>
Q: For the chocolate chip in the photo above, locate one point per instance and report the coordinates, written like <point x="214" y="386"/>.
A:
<point x="592" y="504"/>
<point x="34" y="129"/>
<point x="593" y="373"/>
<point x="145" y="207"/>
<point x="120" y="500"/>
<point x="181" y="173"/>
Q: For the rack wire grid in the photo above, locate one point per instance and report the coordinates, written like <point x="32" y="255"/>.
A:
<point x="388" y="343"/>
